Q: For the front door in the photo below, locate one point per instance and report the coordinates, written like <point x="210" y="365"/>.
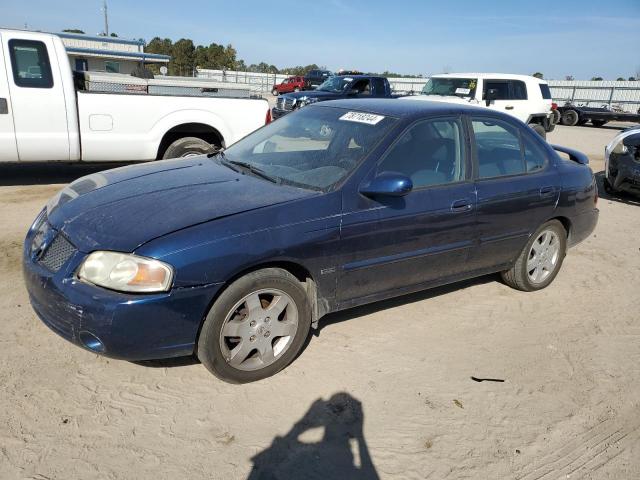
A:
<point x="517" y="186"/>
<point x="37" y="97"/>
<point x="8" y="148"/>
<point x="394" y="244"/>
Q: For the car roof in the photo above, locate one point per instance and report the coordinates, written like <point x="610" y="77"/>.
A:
<point x="493" y="76"/>
<point x="410" y="108"/>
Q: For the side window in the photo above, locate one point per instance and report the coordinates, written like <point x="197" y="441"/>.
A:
<point x="497" y="148"/>
<point x="518" y="90"/>
<point x="111" y="67"/>
<point x="501" y="86"/>
<point x="378" y="86"/>
<point x="429" y="153"/>
<point x="534" y="156"/>
<point x="30" y="64"/>
<point x="362" y="86"/>
<point x="544" y="90"/>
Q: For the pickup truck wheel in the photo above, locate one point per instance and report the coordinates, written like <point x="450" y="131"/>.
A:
<point x="540" y="259"/>
<point x="598" y="123"/>
<point x="539" y="129"/>
<point x="297" y="89"/>
<point x="570" y="118"/>
<point x="256" y="327"/>
<point x="187" y="147"/>
<point x="274" y="92"/>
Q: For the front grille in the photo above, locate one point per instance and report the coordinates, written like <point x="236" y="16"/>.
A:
<point x="280" y="103"/>
<point x="57" y="254"/>
<point x="288" y="103"/>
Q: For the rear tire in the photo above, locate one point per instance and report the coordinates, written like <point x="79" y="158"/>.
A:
<point x="570" y="118"/>
<point x="187" y="147"/>
<point x="241" y="341"/>
<point x="538" y="264"/>
<point x="598" y="123"/>
<point x="274" y="92"/>
<point x="297" y="89"/>
<point x="539" y="129"/>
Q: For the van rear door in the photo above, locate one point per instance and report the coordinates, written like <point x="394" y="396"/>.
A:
<point x="37" y="96"/>
<point x="8" y="148"/>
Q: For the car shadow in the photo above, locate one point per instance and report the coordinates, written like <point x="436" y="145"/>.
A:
<point x="326" y="443"/>
<point x="49" y="173"/>
<point x="619" y="197"/>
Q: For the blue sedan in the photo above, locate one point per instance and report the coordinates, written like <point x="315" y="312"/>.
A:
<point x="236" y="256"/>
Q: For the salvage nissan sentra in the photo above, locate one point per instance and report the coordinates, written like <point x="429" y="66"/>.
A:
<point x="235" y="256"/>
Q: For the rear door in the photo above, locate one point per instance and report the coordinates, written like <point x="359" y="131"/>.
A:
<point x="517" y="188"/>
<point x="512" y="97"/>
<point x="8" y="148"/>
<point x="37" y="97"/>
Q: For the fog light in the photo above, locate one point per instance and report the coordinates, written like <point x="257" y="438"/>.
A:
<point x="90" y="341"/>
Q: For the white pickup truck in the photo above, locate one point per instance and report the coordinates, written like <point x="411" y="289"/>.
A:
<point x="45" y="116"/>
<point x="522" y="96"/>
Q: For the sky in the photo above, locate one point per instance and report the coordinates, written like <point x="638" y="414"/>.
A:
<point x="582" y="38"/>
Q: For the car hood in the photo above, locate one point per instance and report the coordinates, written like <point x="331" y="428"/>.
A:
<point x="124" y="208"/>
<point x="319" y="94"/>
<point x="440" y="98"/>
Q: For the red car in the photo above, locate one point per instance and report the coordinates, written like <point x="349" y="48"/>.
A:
<point x="291" y="84"/>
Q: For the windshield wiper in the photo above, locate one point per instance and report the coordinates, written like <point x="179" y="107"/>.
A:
<point x="251" y="169"/>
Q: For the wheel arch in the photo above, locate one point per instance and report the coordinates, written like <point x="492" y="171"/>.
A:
<point x="566" y="223"/>
<point x="192" y="129"/>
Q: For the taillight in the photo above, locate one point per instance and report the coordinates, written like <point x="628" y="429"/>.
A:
<point x="554" y="106"/>
<point x="268" y="118"/>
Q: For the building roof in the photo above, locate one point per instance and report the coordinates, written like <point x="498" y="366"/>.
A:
<point x="98" y="38"/>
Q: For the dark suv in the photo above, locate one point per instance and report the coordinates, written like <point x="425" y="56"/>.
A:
<point x="313" y="78"/>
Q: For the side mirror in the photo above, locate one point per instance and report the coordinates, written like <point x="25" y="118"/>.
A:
<point x="389" y="184"/>
<point x="490" y="96"/>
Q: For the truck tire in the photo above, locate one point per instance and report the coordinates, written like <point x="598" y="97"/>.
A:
<point x="274" y="92"/>
<point x="556" y="117"/>
<point x="570" y="118"/>
<point x="539" y="129"/>
<point x="297" y="89"/>
<point x="187" y="147"/>
<point x="598" y="123"/>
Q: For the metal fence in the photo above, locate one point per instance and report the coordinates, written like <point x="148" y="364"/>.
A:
<point x="623" y="95"/>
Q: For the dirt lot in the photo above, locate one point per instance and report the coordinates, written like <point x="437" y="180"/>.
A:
<point x="386" y="388"/>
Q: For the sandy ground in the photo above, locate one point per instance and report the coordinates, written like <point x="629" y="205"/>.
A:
<point x="384" y="390"/>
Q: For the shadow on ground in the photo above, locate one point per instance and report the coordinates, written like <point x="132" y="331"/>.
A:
<point x="326" y="443"/>
<point x="49" y="172"/>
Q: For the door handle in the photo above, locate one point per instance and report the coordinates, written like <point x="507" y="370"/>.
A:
<point x="4" y="106"/>
<point x="462" y="205"/>
<point x="548" y="191"/>
<point x="509" y="107"/>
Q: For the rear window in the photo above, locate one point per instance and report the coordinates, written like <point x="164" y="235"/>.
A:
<point x="546" y="93"/>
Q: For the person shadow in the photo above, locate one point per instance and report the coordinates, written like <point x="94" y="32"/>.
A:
<point x="341" y="452"/>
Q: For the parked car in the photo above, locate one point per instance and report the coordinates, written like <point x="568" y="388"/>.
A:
<point x="291" y="84"/>
<point x="339" y="86"/>
<point x="622" y="163"/>
<point x="524" y="97"/>
<point x="598" y="116"/>
<point x="314" y="78"/>
<point x="45" y="116"/>
<point x="339" y="204"/>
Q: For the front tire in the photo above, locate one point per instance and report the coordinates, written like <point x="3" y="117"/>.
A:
<point x="274" y="92"/>
<point x="256" y="327"/>
<point x="187" y="147"/>
<point x="540" y="259"/>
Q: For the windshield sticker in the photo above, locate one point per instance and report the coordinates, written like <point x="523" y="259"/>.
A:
<point x="463" y="91"/>
<point x="368" y="118"/>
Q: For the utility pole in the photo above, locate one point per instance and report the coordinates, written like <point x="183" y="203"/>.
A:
<point x="106" y="18"/>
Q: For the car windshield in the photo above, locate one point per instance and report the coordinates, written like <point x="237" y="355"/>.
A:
<point x="335" y="84"/>
<point x="312" y="148"/>
<point x="459" y="87"/>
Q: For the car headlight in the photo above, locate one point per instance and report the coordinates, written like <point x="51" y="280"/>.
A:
<point x="302" y="101"/>
<point x="126" y="272"/>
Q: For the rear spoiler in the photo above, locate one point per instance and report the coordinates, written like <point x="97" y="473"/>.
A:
<point x="574" y="155"/>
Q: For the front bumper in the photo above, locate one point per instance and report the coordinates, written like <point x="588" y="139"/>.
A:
<point x="622" y="172"/>
<point x="277" y="113"/>
<point x="119" y="325"/>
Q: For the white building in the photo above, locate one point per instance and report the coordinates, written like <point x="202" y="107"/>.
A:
<point x="107" y="54"/>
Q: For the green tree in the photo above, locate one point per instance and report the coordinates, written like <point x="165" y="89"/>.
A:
<point x="182" y="58"/>
<point x="596" y="79"/>
<point x="538" y="75"/>
<point x="73" y="30"/>
<point x="620" y="79"/>
<point x="632" y="79"/>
